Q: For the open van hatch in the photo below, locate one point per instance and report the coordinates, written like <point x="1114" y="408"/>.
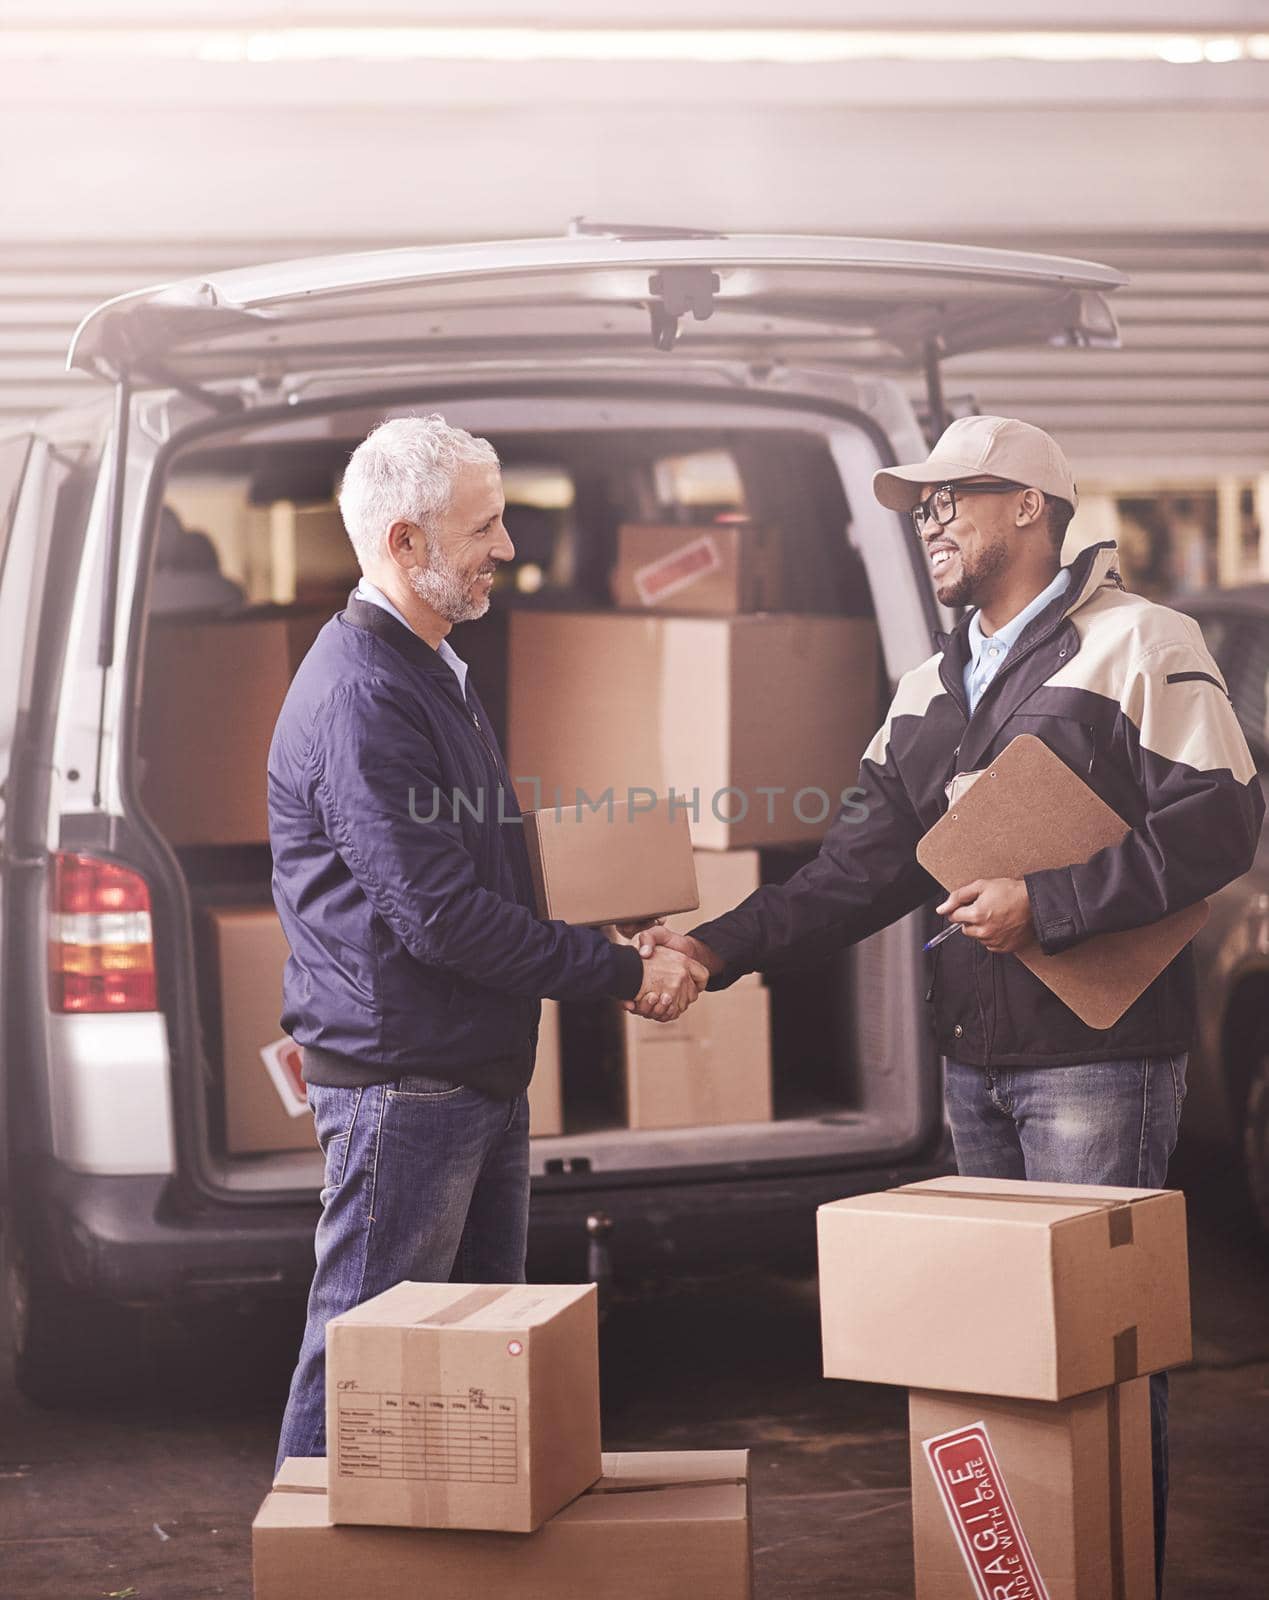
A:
<point x="859" y="303"/>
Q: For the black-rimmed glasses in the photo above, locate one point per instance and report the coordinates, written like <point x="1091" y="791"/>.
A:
<point x="940" y="507"/>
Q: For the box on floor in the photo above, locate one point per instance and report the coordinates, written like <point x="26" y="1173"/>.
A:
<point x="666" y="1526"/>
<point x="717" y="709"/>
<point x="1038" y="1291"/>
<point x="1022" y="1498"/>
<point x="463" y="1405"/>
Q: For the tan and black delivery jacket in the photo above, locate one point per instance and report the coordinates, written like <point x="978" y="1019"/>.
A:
<point x="1125" y="692"/>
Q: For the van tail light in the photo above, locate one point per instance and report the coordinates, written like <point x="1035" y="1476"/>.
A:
<point x="100" y="939"/>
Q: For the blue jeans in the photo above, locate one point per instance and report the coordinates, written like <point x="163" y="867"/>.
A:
<point x="1112" y="1122"/>
<point x="424" y="1180"/>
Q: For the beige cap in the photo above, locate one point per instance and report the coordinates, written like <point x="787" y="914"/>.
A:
<point x="978" y="447"/>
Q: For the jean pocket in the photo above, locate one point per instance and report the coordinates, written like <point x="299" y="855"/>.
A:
<point x="418" y="1086"/>
<point x="335" y="1117"/>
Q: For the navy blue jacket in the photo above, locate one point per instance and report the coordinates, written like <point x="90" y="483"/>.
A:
<point x="415" y="946"/>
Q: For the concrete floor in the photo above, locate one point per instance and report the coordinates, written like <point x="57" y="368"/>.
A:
<point x="154" y="1501"/>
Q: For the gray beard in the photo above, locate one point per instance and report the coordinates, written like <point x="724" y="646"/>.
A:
<point x="440" y="587"/>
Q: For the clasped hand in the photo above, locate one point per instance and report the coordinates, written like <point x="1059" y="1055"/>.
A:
<point x="676" y="969"/>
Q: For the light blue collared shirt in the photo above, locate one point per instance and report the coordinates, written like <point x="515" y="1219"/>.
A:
<point x="988" y="651"/>
<point x="375" y="596"/>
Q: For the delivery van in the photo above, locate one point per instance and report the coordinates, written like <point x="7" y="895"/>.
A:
<point x="167" y="554"/>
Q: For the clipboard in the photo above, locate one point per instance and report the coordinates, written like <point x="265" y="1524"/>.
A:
<point x="991" y="832"/>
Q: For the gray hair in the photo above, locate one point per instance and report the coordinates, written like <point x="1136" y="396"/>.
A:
<point x="404" y="471"/>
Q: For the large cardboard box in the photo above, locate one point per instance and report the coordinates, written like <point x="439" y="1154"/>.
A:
<point x="1023" y="1497"/>
<point x="546" y="1092"/>
<point x="756" y="722"/>
<point x="711" y="1065"/>
<point x="463" y="1406"/>
<point x="619" y="863"/>
<point x="672" y="1525"/>
<point x="211" y="695"/>
<point x="987" y="1286"/>
<point x="723" y="879"/>
<point x="265" y="1103"/>
<point x="719" y="569"/>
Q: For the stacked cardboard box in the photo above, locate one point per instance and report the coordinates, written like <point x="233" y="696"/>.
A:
<point x="757" y="723"/>
<point x="1030" y="1434"/>
<point x="720" y="569"/>
<point x="266" y="1107"/>
<point x="712" y="1065"/>
<point x="546" y="1087"/>
<point x="463" y="1437"/>
<point x="203" y="769"/>
<point x="671" y="1525"/>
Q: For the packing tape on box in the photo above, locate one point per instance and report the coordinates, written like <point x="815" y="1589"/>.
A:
<point x="603" y="1487"/>
<point x="1118" y="1212"/>
<point x="1115" y="1475"/>
<point x="1119" y="1227"/>
<point x="465" y="1306"/>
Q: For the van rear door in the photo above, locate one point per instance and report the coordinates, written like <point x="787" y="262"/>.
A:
<point x="854" y="303"/>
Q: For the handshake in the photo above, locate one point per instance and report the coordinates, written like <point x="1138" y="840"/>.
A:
<point x="676" y="969"/>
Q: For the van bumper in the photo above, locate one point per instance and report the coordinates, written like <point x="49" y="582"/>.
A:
<point x="123" y="1239"/>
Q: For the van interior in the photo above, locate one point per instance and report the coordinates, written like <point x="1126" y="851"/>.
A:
<point x="249" y="549"/>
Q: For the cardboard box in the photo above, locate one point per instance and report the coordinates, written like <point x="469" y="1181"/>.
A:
<point x="619" y="863"/>
<point x="723" y="879"/>
<point x="265" y="1103"/>
<point x="210" y="698"/>
<point x="980" y="1285"/>
<point x="710" y="1066"/>
<point x="1053" y="1499"/>
<point x="718" y="569"/>
<point x="672" y="1525"/>
<point x="463" y="1406"/>
<point x="698" y="705"/>
<point x="546" y="1093"/>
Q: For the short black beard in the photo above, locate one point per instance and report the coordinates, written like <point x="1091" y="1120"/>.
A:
<point x="967" y="589"/>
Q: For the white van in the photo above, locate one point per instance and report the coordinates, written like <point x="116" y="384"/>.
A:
<point x="623" y="375"/>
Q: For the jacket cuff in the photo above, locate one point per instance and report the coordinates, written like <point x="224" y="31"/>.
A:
<point x="628" y="972"/>
<point x="1053" y="910"/>
<point x="736" y="962"/>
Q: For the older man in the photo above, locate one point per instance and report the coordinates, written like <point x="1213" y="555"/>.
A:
<point x="417" y="960"/>
<point x="1126" y="694"/>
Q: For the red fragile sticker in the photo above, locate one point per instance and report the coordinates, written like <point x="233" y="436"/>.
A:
<point x="990" y="1537"/>
<point x="284" y="1062"/>
<point x="677" y="570"/>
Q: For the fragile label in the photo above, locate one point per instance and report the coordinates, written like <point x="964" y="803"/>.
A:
<point x="284" y="1062"/>
<point x="982" y="1515"/>
<point x="682" y="567"/>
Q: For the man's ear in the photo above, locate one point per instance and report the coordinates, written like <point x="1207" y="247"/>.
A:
<point x="405" y="544"/>
<point x="1030" y="508"/>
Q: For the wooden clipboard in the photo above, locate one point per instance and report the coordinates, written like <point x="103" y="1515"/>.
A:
<point x="1028" y="812"/>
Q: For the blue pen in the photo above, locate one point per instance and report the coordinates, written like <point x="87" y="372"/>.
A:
<point x="946" y="934"/>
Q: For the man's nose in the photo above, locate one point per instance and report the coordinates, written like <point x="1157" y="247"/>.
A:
<point x="504" y="549"/>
